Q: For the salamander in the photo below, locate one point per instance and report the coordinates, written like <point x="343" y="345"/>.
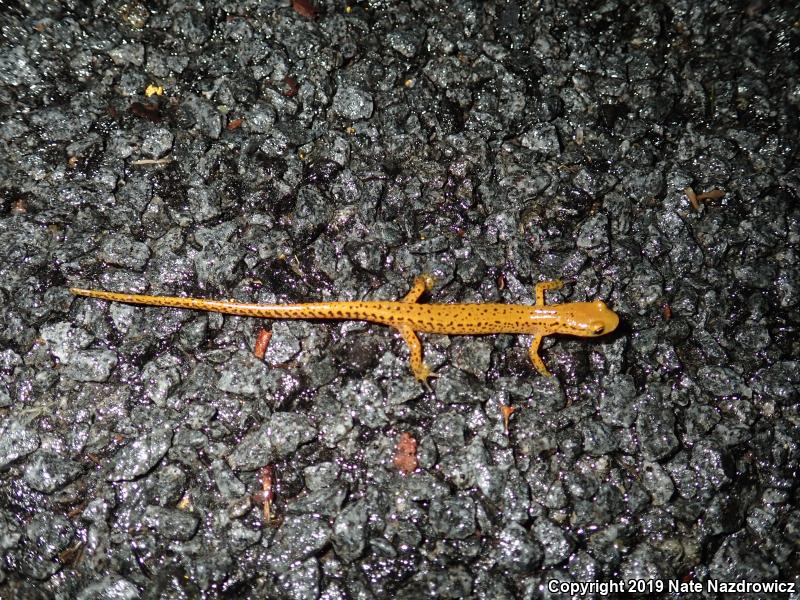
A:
<point x="410" y="317"/>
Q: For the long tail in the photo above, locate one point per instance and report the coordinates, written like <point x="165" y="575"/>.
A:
<point x="321" y="310"/>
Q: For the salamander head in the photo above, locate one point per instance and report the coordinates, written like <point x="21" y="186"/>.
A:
<point x="586" y="319"/>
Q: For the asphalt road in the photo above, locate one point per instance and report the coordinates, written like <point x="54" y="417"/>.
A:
<point x="645" y="153"/>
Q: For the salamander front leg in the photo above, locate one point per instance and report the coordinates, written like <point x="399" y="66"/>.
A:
<point x="422" y="283"/>
<point x="543" y="286"/>
<point x="418" y="367"/>
<point x="537" y="361"/>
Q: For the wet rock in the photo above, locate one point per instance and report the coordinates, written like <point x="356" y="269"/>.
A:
<point x="302" y="581"/>
<point x="423" y="487"/>
<point x="472" y="356"/>
<point x="157" y="143"/>
<point x="713" y="467"/>
<point x="16" y="441"/>
<point x="446" y="72"/>
<point x="68" y="344"/>
<point x="284" y="433"/>
<point x="59" y="124"/>
<point x="791" y="530"/>
<point x="454" y="582"/>
<point x="298" y="538"/>
<point x="110" y="586"/>
<point x="10" y="532"/>
<point x="122" y="251"/>
<point x="407" y="42"/>
<point x="542" y="138"/>
<point x="582" y="567"/>
<point x="557" y="545"/>
<point x="452" y="387"/>
<point x="403" y="389"/>
<point x="253" y="452"/>
<point x="753" y="337"/>
<point x="247" y="375"/>
<point x="312" y="212"/>
<point x="656" y="429"/>
<point x="64" y="339"/>
<point x="335" y="427"/>
<point x="453" y="518"/>
<point x="657" y="481"/>
<point x="128" y="53"/>
<point x="46" y="472"/>
<point x="350" y="531"/>
<point x="171" y="523"/>
<point x="160" y="377"/>
<point x="241" y="536"/>
<point x="284" y="344"/>
<point x="720" y="381"/>
<point x="227" y="483"/>
<point x="516" y="550"/>
<point x="5" y="397"/>
<point x="368" y="256"/>
<point x="448" y="431"/>
<point x="352" y="103"/>
<point x="204" y="117"/>
<point x="368" y="400"/>
<point x="599" y="439"/>
<point x="289" y="431"/>
<point x="49" y="534"/>
<point x="616" y="401"/>
<point x="640" y="183"/>
<point x="169" y="485"/>
<point x="699" y="420"/>
<point x="141" y="455"/>
<point x="260" y="119"/>
<point x="643" y="564"/>
<point x="645" y="290"/>
<point x="326" y="501"/>
<point x="90" y="365"/>
<point x="788" y="286"/>
<point x="778" y="382"/>
<point x="320" y="476"/>
<point x="515" y="498"/>
<point x="211" y="567"/>
<point x="215" y="265"/>
<point x="17" y="67"/>
<point x="739" y="559"/>
<point x="593" y="234"/>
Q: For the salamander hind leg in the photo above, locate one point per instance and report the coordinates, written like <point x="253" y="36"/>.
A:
<point x="543" y="286"/>
<point x="422" y="283"/>
<point x="421" y="371"/>
<point x="537" y="361"/>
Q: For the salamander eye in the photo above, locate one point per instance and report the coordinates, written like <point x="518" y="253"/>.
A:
<point x="597" y="327"/>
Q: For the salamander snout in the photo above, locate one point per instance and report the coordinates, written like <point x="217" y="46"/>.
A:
<point x="605" y="320"/>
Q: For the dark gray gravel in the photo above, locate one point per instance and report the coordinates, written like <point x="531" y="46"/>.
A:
<point x="335" y="153"/>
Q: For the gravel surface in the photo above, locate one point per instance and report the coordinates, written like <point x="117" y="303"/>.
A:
<point x="279" y="151"/>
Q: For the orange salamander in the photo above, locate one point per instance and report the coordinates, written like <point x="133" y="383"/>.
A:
<point x="409" y="317"/>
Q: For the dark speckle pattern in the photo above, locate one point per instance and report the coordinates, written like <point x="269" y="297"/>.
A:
<point x="409" y="317"/>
